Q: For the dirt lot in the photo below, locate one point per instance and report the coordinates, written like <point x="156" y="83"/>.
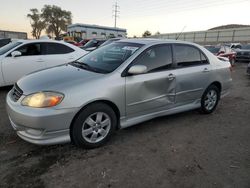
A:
<point x="185" y="150"/>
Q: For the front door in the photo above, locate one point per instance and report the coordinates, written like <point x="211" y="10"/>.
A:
<point x="154" y="90"/>
<point x="31" y="60"/>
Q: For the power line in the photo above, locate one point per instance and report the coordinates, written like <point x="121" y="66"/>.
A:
<point x="116" y="12"/>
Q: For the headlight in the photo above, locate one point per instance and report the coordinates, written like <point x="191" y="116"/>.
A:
<point x="42" y="99"/>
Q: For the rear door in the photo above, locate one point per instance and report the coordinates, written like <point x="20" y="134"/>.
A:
<point x="32" y="59"/>
<point x="193" y="73"/>
<point x="58" y="54"/>
<point x="154" y="90"/>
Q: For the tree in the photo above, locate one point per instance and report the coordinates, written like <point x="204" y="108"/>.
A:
<point x="56" y="19"/>
<point x="157" y="33"/>
<point x="146" y="34"/>
<point x="37" y="23"/>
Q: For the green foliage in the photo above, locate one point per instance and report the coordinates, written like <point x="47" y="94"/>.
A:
<point x="36" y="22"/>
<point x="157" y="33"/>
<point x="52" y="18"/>
<point x="146" y="34"/>
<point x="56" y="19"/>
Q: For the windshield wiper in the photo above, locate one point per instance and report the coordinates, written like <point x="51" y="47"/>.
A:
<point x="81" y="65"/>
<point x="86" y="67"/>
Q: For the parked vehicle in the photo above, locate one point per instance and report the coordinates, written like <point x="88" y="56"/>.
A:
<point x="243" y="54"/>
<point x="82" y="42"/>
<point x="110" y="41"/>
<point x="3" y="42"/>
<point x="116" y="86"/>
<point x="72" y="42"/>
<point x="93" y="44"/>
<point x="223" y="51"/>
<point x="25" y="56"/>
<point x="235" y="45"/>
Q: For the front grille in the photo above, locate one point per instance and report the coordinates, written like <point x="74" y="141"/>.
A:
<point x="16" y="93"/>
<point x="246" y="53"/>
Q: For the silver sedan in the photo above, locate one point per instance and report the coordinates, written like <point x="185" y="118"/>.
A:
<point x="113" y="87"/>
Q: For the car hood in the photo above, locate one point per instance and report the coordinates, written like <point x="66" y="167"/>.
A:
<point x="58" y="78"/>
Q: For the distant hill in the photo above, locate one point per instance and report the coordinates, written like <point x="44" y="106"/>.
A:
<point x="230" y="26"/>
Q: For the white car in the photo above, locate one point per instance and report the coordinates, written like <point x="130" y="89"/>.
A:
<point x="25" y="56"/>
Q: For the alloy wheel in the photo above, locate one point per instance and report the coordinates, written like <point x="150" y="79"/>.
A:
<point x="96" y="127"/>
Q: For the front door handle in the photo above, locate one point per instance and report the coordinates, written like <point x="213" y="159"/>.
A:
<point x="205" y="70"/>
<point x="171" y="76"/>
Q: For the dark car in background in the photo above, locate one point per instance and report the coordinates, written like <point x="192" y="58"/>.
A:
<point x="223" y="51"/>
<point x="93" y="44"/>
<point x="243" y="54"/>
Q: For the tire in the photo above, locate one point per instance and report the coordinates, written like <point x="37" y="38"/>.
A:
<point x="93" y="126"/>
<point x="210" y="99"/>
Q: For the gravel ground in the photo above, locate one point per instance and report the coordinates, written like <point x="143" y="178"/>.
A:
<point x="186" y="150"/>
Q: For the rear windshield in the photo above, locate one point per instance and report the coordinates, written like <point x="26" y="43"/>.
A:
<point x="213" y="49"/>
<point x="8" y="47"/>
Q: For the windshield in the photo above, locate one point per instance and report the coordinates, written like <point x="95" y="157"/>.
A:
<point x="109" y="41"/>
<point x="8" y="47"/>
<point x="90" y="44"/>
<point x="246" y="47"/>
<point x="109" y="57"/>
<point x="213" y="49"/>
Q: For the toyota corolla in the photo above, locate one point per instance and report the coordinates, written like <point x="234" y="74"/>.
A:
<point x="113" y="87"/>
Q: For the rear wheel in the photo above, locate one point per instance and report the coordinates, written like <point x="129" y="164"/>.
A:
<point x="210" y="99"/>
<point x="93" y="126"/>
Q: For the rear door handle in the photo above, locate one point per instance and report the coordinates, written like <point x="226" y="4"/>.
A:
<point x="171" y="76"/>
<point x="206" y="70"/>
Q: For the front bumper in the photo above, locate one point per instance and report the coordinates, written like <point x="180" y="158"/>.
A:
<point x="42" y="126"/>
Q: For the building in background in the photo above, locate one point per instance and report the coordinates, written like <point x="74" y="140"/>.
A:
<point x="222" y="34"/>
<point x="13" y="35"/>
<point x="86" y="31"/>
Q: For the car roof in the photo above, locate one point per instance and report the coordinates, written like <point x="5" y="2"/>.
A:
<point x="39" y="40"/>
<point x="50" y="41"/>
<point x="150" y="41"/>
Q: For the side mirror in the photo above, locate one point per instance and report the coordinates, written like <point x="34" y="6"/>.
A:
<point x="16" y="53"/>
<point x="137" y="69"/>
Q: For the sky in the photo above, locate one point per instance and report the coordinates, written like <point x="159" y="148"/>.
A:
<point x="165" y="16"/>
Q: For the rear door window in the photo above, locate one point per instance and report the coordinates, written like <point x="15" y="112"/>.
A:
<point x="187" y="55"/>
<point x="55" y="48"/>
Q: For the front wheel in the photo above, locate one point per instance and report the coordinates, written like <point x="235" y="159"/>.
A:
<point x="210" y="99"/>
<point x="93" y="126"/>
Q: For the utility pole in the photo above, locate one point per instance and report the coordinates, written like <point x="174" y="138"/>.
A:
<point x="116" y="12"/>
